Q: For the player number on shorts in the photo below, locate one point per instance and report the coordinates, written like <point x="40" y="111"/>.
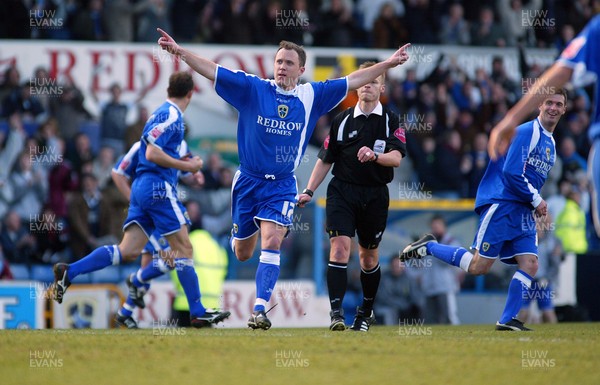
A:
<point x="288" y="209"/>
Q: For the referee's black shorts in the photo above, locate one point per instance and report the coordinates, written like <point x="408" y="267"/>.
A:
<point x="354" y="209"/>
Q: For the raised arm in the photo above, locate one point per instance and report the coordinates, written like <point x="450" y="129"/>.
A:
<point x="363" y="76"/>
<point x="555" y="77"/>
<point x="199" y="64"/>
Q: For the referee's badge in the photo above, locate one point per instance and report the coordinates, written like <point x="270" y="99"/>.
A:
<point x="282" y="110"/>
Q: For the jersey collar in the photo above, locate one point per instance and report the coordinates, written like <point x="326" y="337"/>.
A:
<point x="546" y="132"/>
<point x="377" y="111"/>
<point x="175" y="105"/>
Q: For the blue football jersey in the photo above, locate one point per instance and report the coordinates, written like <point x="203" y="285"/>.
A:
<point x="583" y="56"/>
<point x="521" y="173"/>
<point x="274" y="125"/>
<point x="165" y="130"/>
<point x="127" y="164"/>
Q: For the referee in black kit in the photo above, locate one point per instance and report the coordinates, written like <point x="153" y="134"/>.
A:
<point x="365" y="142"/>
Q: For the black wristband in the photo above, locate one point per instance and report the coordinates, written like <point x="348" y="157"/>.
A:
<point x="308" y="192"/>
<point x="376" y="157"/>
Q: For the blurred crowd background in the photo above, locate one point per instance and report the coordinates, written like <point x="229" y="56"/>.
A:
<point x="57" y="200"/>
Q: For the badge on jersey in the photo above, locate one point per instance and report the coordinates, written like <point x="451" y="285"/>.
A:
<point x="400" y="134"/>
<point x="326" y="143"/>
<point x="573" y="48"/>
<point x="379" y="146"/>
<point x="282" y="110"/>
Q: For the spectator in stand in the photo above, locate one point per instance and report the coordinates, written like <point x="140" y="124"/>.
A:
<point x="184" y="19"/>
<point x="102" y="165"/>
<point x="572" y="161"/>
<point x="134" y="131"/>
<point x="567" y="33"/>
<point x="388" y="31"/>
<point x="52" y="238"/>
<point x="455" y="29"/>
<point x="155" y="14"/>
<point x="421" y="19"/>
<point x="80" y="151"/>
<point x="448" y="154"/>
<point x="5" y="272"/>
<point x="11" y="144"/>
<point x="69" y="111"/>
<point x="439" y="281"/>
<point x="21" y="101"/>
<point x="212" y="172"/>
<point x="16" y="240"/>
<point x="475" y="162"/>
<point x="337" y="26"/>
<point x="113" y="122"/>
<point x="236" y="25"/>
<point x="486" y="32"/>
<point x="119" y="17"/>
<point x="400" y="297"/>
<point x="62" y="180"/>
<point x="370" y="10"/>
<point x="10" y="83"/>
<point x="89" y="23"/>
<point x="30" y="188"/>
<point x="87" y="230"/>
<point x="518" y="20"/>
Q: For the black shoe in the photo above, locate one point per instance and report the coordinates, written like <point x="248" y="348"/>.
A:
<point x="126" y="321"/>
<point x="362" y="322"/>
<point x="337" y="320"/>
<point x="259" y="320"/>
<point x="417" y="249"/>
<point x="209" y="318"/>
<point x="61" y="281"/>
<point x="136" y="293"/>
<point x="512" y="325"/>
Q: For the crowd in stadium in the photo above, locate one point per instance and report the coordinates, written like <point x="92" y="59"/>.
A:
<point x="52" y="171"/>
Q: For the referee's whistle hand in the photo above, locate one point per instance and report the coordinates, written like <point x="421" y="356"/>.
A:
<point x="303" y="199"/>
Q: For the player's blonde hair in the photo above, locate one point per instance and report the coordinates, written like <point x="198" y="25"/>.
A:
<point x="371" y="63"/>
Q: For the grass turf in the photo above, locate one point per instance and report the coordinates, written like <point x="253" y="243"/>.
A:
<point x="468" y="354"/>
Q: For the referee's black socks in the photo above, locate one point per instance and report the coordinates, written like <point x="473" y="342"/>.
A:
<point x="369" y="280"/>
<point x="337" y="281"/>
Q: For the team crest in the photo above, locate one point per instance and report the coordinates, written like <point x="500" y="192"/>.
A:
<point x="235" y="228"/>
<point x="485" y="246"/>
<point x="162" y="241"/>
<point x="548" y="153"/>
<point x="282" y="110"/>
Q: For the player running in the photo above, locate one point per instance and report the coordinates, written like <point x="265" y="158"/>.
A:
<point x="154" y="204"/>
<point x="275" y="116"/>
<point x="579" y="62"/>
<point x="507" y="200"/>
<point x="157" y="249"/>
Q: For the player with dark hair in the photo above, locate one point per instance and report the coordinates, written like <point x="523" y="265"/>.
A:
<point x="154" y="204"/>
<point x="274" y="115"/>
<point x="155" y="256"/>
<point x="507" y="200"/>
<point x="579" y="62"/>
<point x="364" y="145"/>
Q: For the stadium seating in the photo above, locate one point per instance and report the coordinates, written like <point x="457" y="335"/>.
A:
<point x="20" y="272"/>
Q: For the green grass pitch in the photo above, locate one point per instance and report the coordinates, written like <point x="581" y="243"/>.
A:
<point x="467" y="354"/>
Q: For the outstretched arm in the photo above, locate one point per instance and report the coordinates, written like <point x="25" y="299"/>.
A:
<point x="199" y="64"/>
<point x="363" y="76"/>
<point x="555" y="77"/>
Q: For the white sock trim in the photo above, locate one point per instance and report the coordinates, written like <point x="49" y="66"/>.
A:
<point x="162" y="266"/>
<point x="138" y="274"/>
<point x="521" y="277"/>
<point x="260" y="301"/>
<point x="116" y="255"/>
<point x="180" y="262"/>
<point x="270" y="258"/>
<point x="466" y="261"/>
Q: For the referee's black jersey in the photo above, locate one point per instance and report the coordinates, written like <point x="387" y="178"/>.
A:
<point x="352" y="129"/>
